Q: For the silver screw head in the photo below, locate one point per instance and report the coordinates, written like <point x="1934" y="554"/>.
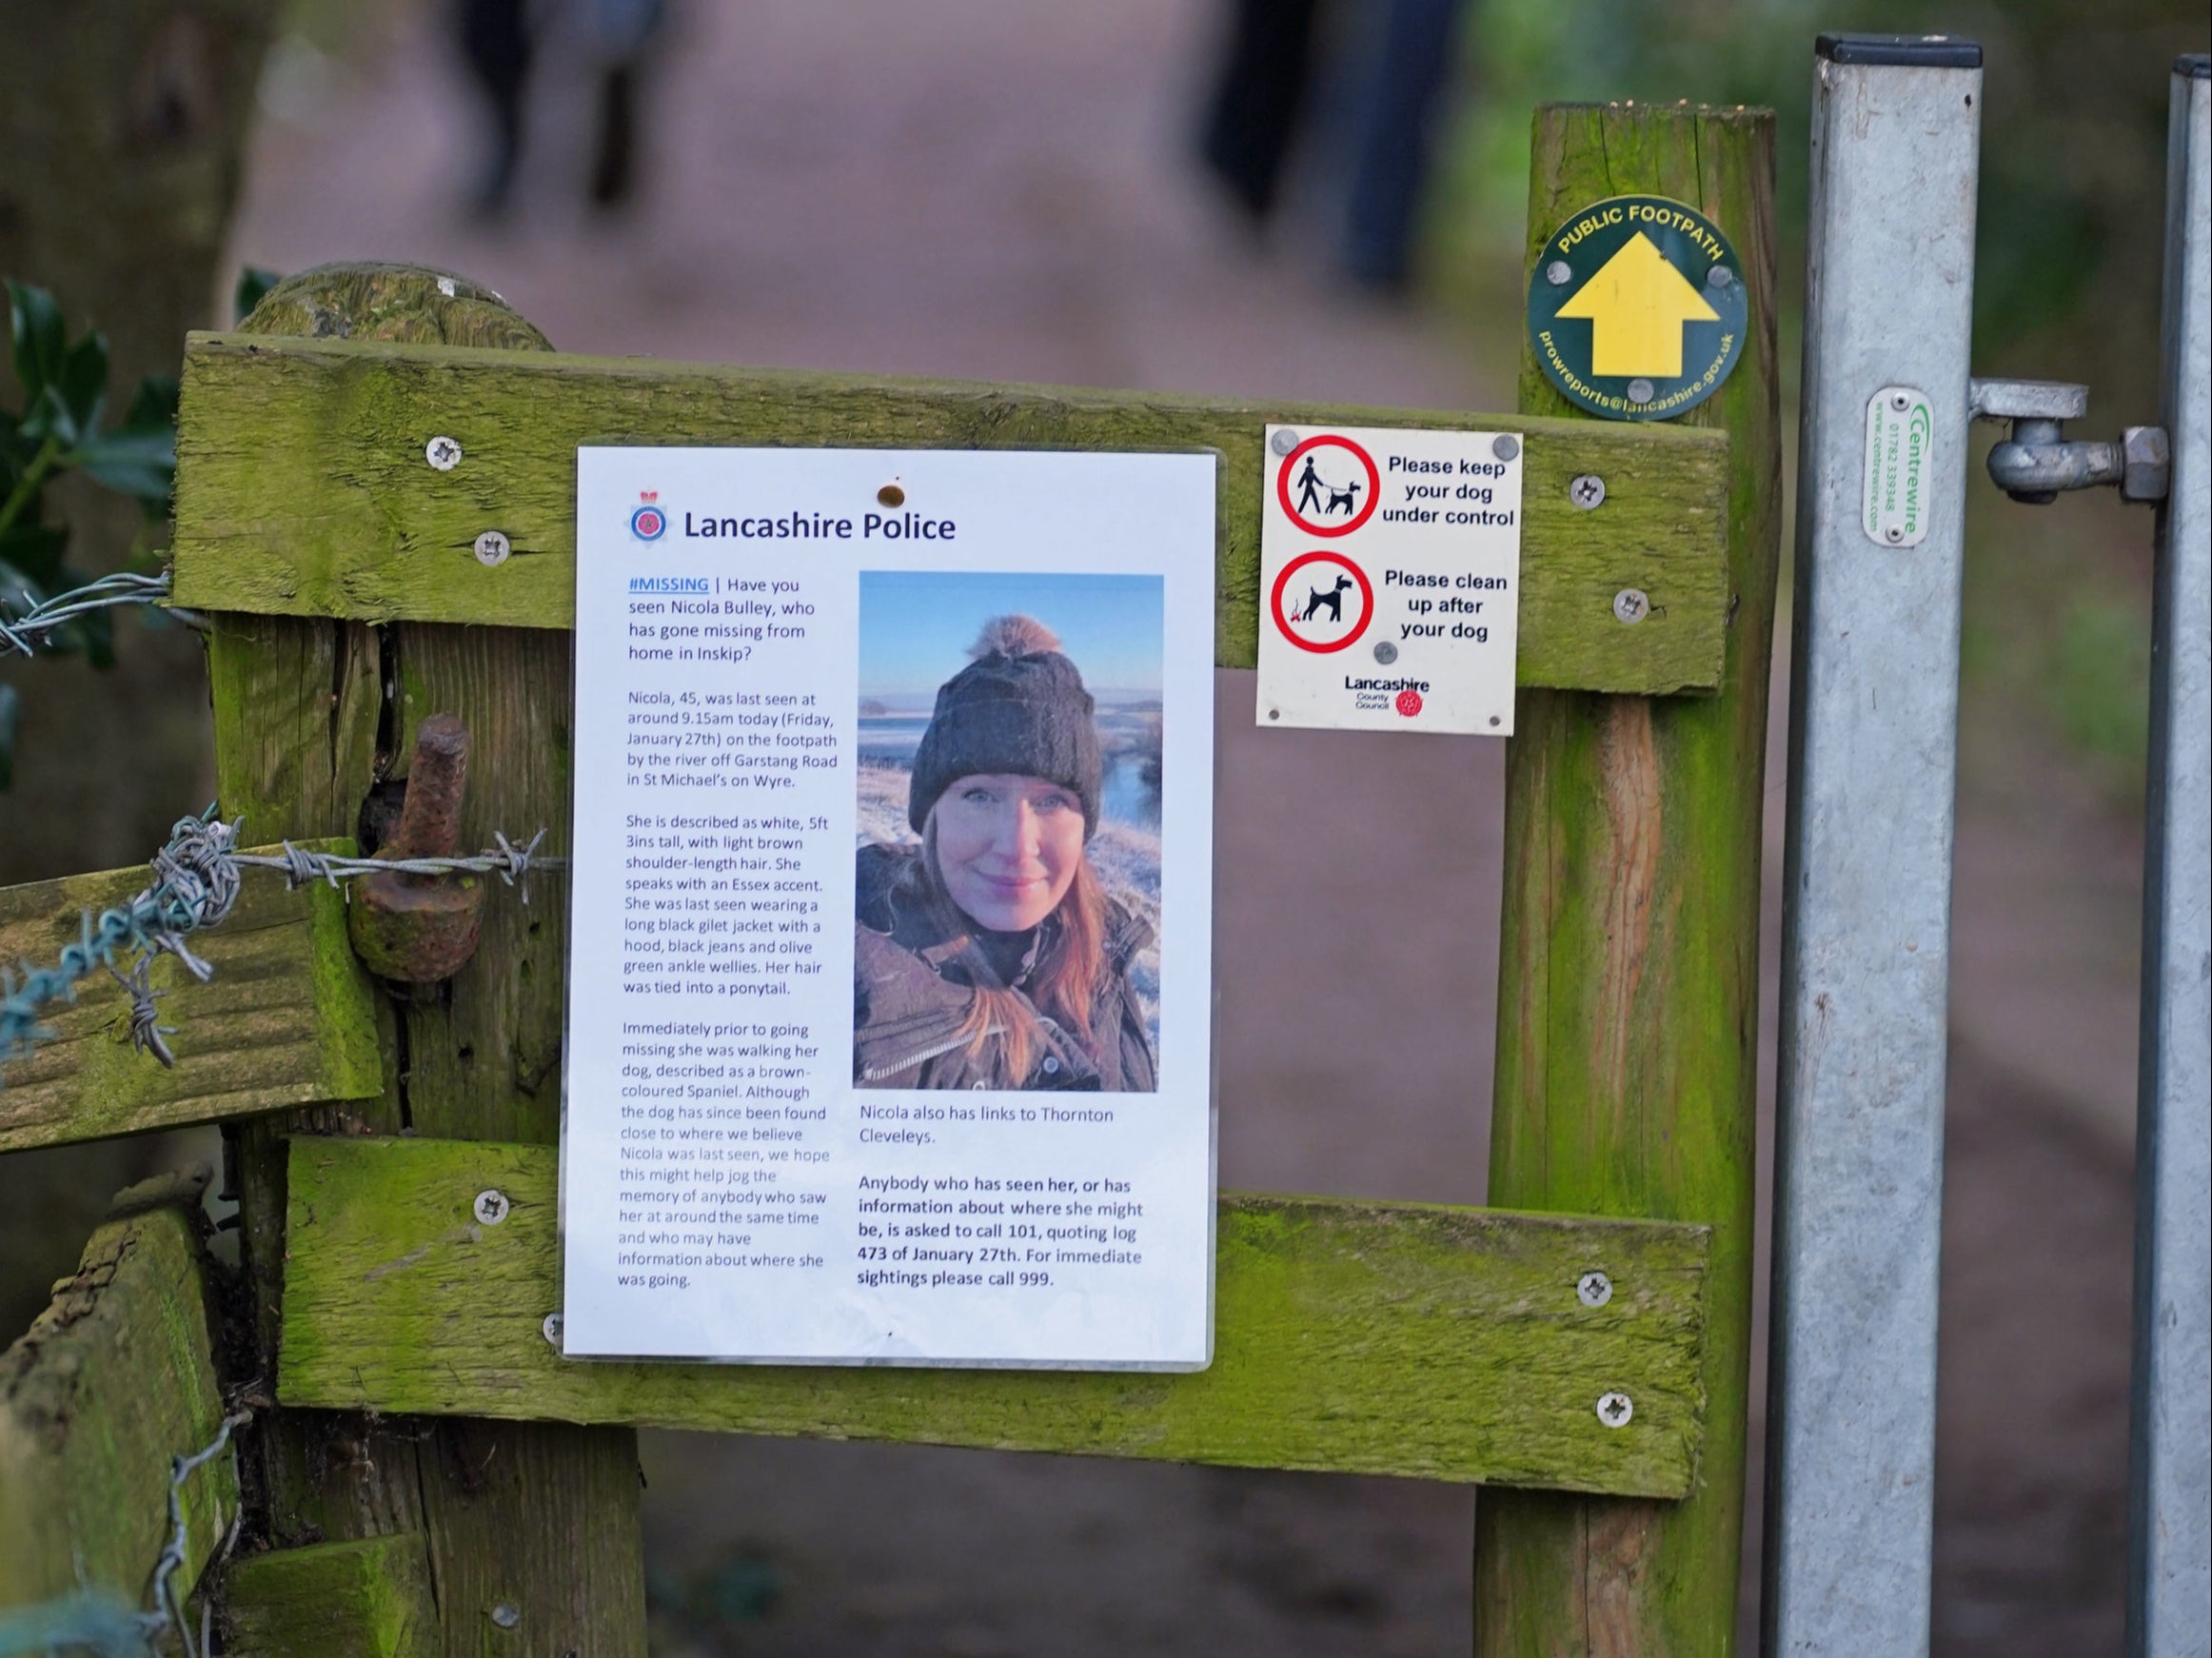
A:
<point x="1385" y="652"/>
<point x="1586" y="491"/>
<point x="1274" y="713"/>
<point x="1614" y="1409"/>
<point x="507" y="1614"/>
<point x="1639" y="391"/>
<point x="1283" y="442"/>
<point x="1505" y="446"/>
<point x="1719" y="276"/>
<point x="551" y="1327"/>
<point x="1895" y="532"/>
<point x="492" y="548"/>
<point x="1900" y="401"/>
<point x="1558" y="273"/>
<point x="492" y="1207"/>
<point x="442" y="453"/>
<point x="1593" y="1289"/>
<point x="1630" y="605"/>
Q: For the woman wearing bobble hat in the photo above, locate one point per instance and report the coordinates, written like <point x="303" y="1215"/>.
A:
<point x="990" y="956"/>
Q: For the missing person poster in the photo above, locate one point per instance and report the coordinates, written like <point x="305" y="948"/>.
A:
<point x="890" y="972"/>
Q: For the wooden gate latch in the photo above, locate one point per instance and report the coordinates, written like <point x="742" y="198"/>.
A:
<point x="421" y="928"/>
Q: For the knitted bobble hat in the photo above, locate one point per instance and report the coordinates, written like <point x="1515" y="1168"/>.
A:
<point x="1018" y="707"/>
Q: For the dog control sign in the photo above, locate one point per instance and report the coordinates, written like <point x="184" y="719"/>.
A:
<point x="1389" y="579"/>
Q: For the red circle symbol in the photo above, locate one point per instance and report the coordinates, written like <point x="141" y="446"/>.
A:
<point x="1320" y="489"/>
<point x="1409" y="702"/>
<point x="1282" y="586"/>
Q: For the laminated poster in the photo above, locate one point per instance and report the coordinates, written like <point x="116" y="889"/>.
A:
<point x="890" y="1009"/>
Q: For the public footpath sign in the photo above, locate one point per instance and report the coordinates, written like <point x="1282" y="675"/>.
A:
<point x="861" y="735"/>
<point x="1636" y="308"/>
<point x="1390" y="580"/>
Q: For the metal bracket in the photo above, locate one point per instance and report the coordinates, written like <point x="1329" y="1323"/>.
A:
<point x="2037" y="462"/>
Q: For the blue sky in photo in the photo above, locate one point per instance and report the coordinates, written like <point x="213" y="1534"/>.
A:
<point x="917" y="625"/>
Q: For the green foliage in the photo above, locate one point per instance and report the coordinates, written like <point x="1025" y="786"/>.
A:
<point x="64" y="386"/>
<point x="253" y="281"/>
<point x="2100" y="683"/>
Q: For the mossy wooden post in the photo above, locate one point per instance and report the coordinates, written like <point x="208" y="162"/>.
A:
<point x="534" y="1523"/>
<point x="1628" y="979"/>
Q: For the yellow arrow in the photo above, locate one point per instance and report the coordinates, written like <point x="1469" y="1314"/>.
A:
<point x="1636" y="305"/>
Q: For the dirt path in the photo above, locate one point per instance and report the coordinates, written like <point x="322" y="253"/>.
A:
<point x="928" y="190"/>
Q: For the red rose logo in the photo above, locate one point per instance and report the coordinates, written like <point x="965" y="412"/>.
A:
<point x="1408" y="703"/>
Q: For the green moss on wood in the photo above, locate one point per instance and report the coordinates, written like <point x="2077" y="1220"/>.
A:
<point x="370" y="1598"/>
<point x="289" y="1016"/>
<point x="110" y="1382"/>
<point x="303" y="490"/>
<point x="1381" y="1338"/>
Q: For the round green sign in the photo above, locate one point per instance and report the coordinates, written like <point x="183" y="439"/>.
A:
<point x="1636" y="308"/>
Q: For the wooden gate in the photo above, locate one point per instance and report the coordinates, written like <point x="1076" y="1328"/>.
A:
<point x="418" y="1470"/>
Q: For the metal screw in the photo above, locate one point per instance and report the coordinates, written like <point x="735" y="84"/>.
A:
<point x="1283" y="442"/>
<point x="1593" y="1289"/>
<point x="1895" y="532"/>
<point x="1586" y="491"/>
<point x="1505" y="446"/>
<point x="1558" y="272"/>
<point x="1274" y="713"/>
<point x="1719" y="276"/>
<point x="507" y="1614"/>
<point x="442" y="453"/>
<point x="1900" y="401"/>
<point x="1614" y="1409"/>
<point x="492" y="1206"/>
<point x="551" y="1327"/>
<point x="891" y="495"/>
<point x="1385" y="652"/>
<point x="492" y="548"/>
<point x="1639" y="391"/>
<point x="1497" y="719"/>
<point x="1630" y="605"/>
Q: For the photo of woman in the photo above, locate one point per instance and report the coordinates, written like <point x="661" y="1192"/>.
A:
<point x="1004" y="937"/>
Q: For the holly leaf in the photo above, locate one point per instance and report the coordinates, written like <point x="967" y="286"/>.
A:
<point x="83" y="381"/>
<point x="154" y="404"/>
<point x="10" y="706"/>
<point x="49" y="416"/>
<point x="37" y="341"/>
<point x="254" y="281"/>
<point x="30" y="554"/>
<point x="140" y="463"/>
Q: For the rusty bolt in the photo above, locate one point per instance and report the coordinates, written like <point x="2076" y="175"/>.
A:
<point x="421" y="928"/>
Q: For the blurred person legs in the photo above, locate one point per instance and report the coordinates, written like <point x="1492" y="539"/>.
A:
<point x="618" y="32"/>
<point x="495" y="40"/>
<point x="1395" y="137"/>
<point x="1259" y="99"/>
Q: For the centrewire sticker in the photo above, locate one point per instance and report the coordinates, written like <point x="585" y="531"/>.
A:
<point x="1900" y="454"/>
<point x="890" y="985"/>
<point x="1389" y="579"/>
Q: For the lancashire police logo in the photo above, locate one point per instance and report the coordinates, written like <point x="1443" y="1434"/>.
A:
<point x="648" y="524"/>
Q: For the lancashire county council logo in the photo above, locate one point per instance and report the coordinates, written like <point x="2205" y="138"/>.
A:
<point x="648" y="524"/>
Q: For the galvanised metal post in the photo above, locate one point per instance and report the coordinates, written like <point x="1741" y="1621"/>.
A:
<point x="2170" y="1557"/>
<point x="1858" y="1172"/>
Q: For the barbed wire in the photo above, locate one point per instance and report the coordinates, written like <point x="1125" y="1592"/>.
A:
<point x="102" y="1622"/>
<point x="197" y="880"/>
<point x="21" y="633"/>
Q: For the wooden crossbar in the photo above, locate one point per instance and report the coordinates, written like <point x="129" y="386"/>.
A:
<point x="289" y="1019"/>
<point x="1411" y="1339"/>
<point x="303" y="487"/>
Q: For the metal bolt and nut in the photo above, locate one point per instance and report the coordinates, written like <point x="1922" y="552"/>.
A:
<point x="492" y="1206"/>
<point x="1640" y="392"/>
<point x="492" y="548"/>
<point x="550" y="1329"/>
<point x="442" y="453"/>
<point x="1614" y="1409"/>
<point x="1593" y="1289"/>
<point x="1630" y="605"/>
<point x="1558" y="273"/>
<point x="1283" y="442"/>
<point x="1385" y="652"/>
<point x="1505" y="446"/>
<point x="1586" y="490"/>
<point x="507" y="1614"/>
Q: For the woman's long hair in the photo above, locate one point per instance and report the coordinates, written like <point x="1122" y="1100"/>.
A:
<point x="1063" y="984"/>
